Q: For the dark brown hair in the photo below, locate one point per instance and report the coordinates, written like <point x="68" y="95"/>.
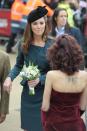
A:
<point x="65" y="55"/>
<point x="54" y="22"/>
<point x="28" y="35"/>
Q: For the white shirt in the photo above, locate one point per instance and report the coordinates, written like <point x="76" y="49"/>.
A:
<point x="59" y="31"/>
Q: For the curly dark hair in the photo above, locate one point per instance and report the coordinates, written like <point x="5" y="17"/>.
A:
<point x="65" y="55"/>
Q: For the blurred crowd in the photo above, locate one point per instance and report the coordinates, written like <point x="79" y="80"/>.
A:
<point x="77" y="17"/>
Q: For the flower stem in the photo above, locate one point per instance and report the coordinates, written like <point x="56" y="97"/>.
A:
<point x="31" y="91"/>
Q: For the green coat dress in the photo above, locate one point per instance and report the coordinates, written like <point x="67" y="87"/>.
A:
<point x="31" y="105"/>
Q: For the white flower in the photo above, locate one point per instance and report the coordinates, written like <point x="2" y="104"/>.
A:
<point x="30" y="73"/>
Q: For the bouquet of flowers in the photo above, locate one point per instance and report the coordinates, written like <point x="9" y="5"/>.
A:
<point x="30" y="73"/>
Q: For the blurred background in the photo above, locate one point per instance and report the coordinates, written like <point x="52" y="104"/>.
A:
<point x="13" y="19"/>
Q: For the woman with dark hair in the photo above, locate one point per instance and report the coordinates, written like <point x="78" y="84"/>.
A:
<point x="60" y="25"/>
<point x="65" y="91"/>
<point x="34" y="48"/>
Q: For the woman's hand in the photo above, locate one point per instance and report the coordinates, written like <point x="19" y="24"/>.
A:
<point x="7" y="84"/>
<point x="33" y="83"/>
<point x="2" y="117"/>
<point x="45" y="105"/>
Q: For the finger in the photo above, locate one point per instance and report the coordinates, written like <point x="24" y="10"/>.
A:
<point x="31" y="81"/>
<point x="1" y="120"/>
<point x="8" y="90"/>
<point x="32" y="85"/>
<point x="34" y="80"/>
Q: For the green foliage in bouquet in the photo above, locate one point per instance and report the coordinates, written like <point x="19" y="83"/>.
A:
<point x="30" y="73"/>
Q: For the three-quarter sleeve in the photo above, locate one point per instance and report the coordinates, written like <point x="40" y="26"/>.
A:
<point x="18" y="66"/>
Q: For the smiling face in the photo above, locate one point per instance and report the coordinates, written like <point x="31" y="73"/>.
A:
<point x="38" y="27"/>
<point x="61" y="18"/>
